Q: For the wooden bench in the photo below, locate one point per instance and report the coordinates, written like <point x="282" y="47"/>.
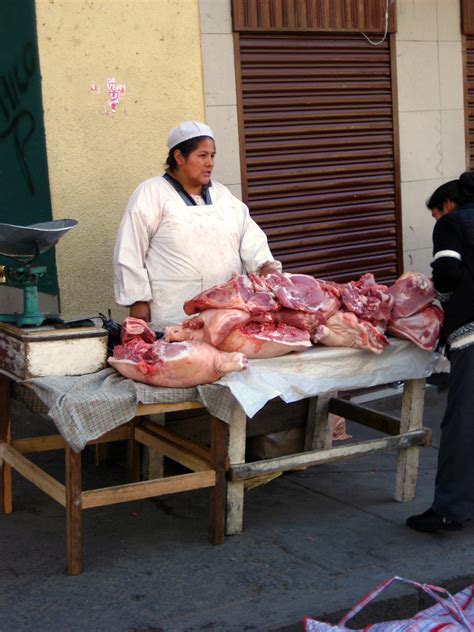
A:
<point x="207" y="465"/>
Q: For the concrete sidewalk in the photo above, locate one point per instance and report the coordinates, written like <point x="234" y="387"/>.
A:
<point x="314" y="543"/>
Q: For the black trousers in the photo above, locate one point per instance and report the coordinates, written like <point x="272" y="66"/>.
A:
<point x="454" y="487"/>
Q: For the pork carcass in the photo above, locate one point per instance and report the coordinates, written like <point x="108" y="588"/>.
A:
<point x="422" y="328"/>
<point x="368" y="299"/>
<point x="247" y="293"/>
<point x="176" y="364"/>
<point x="344" y="329"/>
<point x="142" y="358"/>
<point x="210" y="326"/>
<point x="303" y="292"/>
<point x="412" y="292"/>
<point x="260" y="340"/>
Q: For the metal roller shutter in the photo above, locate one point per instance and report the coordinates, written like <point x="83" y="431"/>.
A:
<point x="467" y="16"/>
<point x="315" y="15"/>
<point x="469" y="99"/>
<point x="318" y="152"/>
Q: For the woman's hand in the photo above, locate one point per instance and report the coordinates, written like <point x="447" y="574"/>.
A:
<point x="141" y="309"/>
<point x="269" y="267"/>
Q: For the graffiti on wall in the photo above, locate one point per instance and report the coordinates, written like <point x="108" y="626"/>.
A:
<point x="115" y="91"/>
<point x="16" y="119"/>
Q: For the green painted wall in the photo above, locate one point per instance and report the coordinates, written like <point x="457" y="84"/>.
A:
<point x="24" y="186"/>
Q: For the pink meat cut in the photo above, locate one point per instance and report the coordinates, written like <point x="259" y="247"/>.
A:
<point x="303" y="292"/>
<point x="412" y="292"/>
<point x="259" y="340"/>
<point x="344" y="329"/>
<point x="422" y="328"/>
<point x="301" y="320"/>
<point x="211" y="326"/>
<point x="367" y="299"/>
<point x="170" y="364"/>
<point x="247" y="293"/>
<point x="136" y="328"/>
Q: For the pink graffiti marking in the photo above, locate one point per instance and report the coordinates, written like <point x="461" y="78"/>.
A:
<point x="115" y="92"/>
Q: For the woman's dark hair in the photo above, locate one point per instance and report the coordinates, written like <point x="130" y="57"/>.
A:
<point x="186" y="147"/>
<point x="459" y="191"/>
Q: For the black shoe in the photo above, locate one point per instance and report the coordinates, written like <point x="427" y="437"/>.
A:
<point x="430" y="521"/>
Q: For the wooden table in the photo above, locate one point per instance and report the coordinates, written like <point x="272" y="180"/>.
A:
<point x="207" y="467"/>
<point x="405" y="434"/>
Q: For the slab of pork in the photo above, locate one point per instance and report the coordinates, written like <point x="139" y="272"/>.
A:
<point x="260" y="340"/>
<point x="210" y="326"/>
<point x="242" y="292"/>
<point x="303" y="292"/>
<point x="136" y="327"/>
<point x="174" y="364"/>
<point x="344" y="329"/>
<point x="412" y="292"/>
<point x="422" y="328"/>
<point x="301" y="320"/>
<point x="368" y="299"/>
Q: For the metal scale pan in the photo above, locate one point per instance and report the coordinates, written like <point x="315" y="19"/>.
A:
<point x="25" y="243"/>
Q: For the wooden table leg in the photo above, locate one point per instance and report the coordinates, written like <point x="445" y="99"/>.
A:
<point x="411" y="419"/>
<point x="318" y="429"/>
<point x="73" y="511"/>
<point x="235" y="490"/>
<point x="219" y="445"/>
<point x="133" y="454"/>
<point x="5" y="436"/>
<point x="153" y="462"/>
<point x="101" y="453"/>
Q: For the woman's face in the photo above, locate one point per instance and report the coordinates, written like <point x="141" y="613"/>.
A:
<point x="448" y="207"/>
<point x="437" y="213"/>
<point x="195" y="170"/>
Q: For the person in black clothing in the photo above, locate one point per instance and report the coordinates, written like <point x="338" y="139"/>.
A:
<point x="452" y="206"/>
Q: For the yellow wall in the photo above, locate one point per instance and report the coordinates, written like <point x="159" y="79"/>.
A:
<point x="96" y="157"/>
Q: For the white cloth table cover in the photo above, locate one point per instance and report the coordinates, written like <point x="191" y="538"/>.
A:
<point x="86" y="407"/>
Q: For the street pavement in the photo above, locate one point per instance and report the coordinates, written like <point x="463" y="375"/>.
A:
<point x="314" y="543"/>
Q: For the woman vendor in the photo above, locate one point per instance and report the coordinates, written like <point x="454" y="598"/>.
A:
<point x="183" y="233"/>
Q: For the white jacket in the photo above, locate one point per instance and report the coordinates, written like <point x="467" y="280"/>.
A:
<point x="167" y="252"/>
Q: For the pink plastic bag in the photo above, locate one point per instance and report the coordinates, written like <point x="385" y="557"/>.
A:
<point x="449" y="614"/>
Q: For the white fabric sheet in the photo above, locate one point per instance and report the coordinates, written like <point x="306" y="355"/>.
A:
<point x="84" y="407"/>
<point x="322" y="369"/>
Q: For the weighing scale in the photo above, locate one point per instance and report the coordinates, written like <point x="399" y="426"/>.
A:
<point x="20" y="246"/>
<point x="33" y="344"/>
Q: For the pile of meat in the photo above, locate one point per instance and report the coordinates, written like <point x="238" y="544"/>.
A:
<point x="281" y="312"/>
<point x="264" y="317"/>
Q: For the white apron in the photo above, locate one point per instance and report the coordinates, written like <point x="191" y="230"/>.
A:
<point x="167" y="252"/>
<point x="194" y="249"/>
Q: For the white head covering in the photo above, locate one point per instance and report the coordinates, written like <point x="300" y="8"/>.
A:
<point x="186" y="131"/>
